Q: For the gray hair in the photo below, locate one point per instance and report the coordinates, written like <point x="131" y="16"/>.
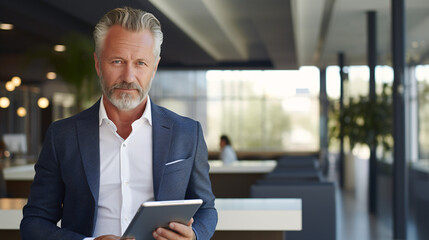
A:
<point x="131" y="19"/>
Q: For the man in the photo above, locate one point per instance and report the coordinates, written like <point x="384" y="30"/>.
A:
<point x="96" y="168"/>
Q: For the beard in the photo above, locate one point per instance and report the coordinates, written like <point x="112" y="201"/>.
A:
<point x="125" y="101"/>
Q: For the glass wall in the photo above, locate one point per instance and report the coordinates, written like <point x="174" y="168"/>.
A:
<point x="417" y="74"/>
<point x="356" y="88"/>
<point x="259" y="110"/>
<point x="422" y="77"/>
<point x="419" y="170"/>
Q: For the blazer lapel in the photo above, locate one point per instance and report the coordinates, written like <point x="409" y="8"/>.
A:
<point x="161" y="139"/>
<point x="88" y="137"/>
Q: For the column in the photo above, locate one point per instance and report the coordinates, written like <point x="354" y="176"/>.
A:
<point x="400" y="178"/>
<point x="372" y="62"/>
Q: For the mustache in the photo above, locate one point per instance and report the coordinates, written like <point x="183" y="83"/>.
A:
<point x="125" y="85"/>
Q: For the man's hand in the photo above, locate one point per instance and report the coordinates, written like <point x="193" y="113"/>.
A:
<point x="112" y="237"/>
<point x="180" y="232"/>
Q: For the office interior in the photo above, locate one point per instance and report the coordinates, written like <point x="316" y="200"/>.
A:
<point x="342" y="84"/>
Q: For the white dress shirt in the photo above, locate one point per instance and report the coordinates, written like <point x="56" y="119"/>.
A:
<point x="126" y="178"/>
<point x="228" y="155"/>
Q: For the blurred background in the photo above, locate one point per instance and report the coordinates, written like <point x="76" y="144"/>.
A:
<point x="280" y="77"/>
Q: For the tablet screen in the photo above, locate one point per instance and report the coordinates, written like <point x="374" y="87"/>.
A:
<point x="152" y="215"/>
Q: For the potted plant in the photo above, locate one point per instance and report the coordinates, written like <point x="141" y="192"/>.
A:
<point x="364" y="122"/>
<point x="75" y="66"/>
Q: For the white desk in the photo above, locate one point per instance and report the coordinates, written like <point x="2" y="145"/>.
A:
<point x="238" y="218"/>
<point x="259" y="214"/>
<point x="228" y="181"/>
<point x="19" y="180"/>
<point x="11" y="212"/>
<point x="19" y="173"/>
<point x="235" y="214"/>
<point x="26" y="172"/>
<point x="242" y="166"/>
<point x="234" y="180"/>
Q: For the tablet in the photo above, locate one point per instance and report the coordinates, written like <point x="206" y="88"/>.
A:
<point x="152" y="215"/>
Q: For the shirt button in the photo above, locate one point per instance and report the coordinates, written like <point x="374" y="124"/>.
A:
<point x="124" y="145"/>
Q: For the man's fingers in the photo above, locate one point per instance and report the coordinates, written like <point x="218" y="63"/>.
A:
<point x="164" y="234"/>
<point x="176" y="231"/>
<point x="183" y="230"/>
<point x="157" y="236"/>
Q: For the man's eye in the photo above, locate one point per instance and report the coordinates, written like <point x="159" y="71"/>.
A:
<point x="141" y="63"/>
<point x="116" y="61"/>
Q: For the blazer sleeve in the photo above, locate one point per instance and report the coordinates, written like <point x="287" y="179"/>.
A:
<point x="205" y="219"/>
<point x="44" y="207"/>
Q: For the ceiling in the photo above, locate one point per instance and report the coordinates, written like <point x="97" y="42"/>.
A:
<point x="223" y="34"/>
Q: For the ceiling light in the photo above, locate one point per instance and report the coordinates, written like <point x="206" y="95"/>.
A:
<point x="51" y="75"/>
<point x="10" y="86"/>
<point x="59" y="48"/>
<point x="4" y="102"/>
<point x="16" y="81"/>
<point x="6" y="26"/>
<point x="21" y="111"/>
<point x="43" y="102"/>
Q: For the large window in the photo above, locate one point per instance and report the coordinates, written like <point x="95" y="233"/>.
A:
<point x="422" y="76"/>
<point x="259" y="110"/>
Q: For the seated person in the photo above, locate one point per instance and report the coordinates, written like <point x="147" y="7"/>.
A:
<point x="227" y="154"/>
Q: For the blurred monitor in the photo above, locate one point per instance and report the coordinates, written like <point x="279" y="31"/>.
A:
<point x="15" y="142"/>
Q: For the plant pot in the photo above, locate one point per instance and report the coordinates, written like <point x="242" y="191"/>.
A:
<point x="349" y="171"/>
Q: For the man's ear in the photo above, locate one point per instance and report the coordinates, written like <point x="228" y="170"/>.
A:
<point x="97" y="64"/>
<point x="156" y="65"/>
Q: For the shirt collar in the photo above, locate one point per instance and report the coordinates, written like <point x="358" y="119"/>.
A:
<point x="147" y="114"/>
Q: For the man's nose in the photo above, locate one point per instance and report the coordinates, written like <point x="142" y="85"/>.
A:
<point x="129" y="73"/>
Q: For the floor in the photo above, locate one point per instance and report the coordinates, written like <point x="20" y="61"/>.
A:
<point x="353" y="219"/>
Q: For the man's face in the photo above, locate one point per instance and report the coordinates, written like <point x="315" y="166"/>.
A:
<point x="126" y="66"/>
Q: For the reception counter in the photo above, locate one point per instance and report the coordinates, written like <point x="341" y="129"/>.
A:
<point x="11" y="213"/>
<point x="259" y="214"/>
<point x="26" y="172"/>
<point x="19" y="173"/>
<point x="234" y="180"/>
<point x="228" y="181"/>
<point x="10" y="217"/>
<point x="238" y="218"/>
<point x="242" y="167"/>
<point x="19" y="180"/>
<point x="253" y="219"/>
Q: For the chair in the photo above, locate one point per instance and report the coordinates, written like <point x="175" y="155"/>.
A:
<point x="318" y="207"/>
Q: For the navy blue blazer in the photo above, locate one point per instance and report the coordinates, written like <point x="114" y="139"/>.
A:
<point x="66" y="184"/>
